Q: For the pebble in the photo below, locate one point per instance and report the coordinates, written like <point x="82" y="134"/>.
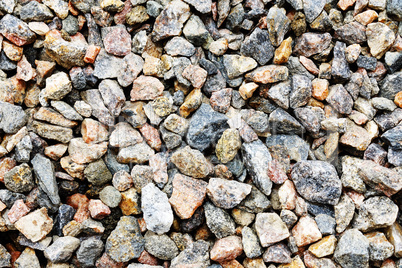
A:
<point x="258" y="46"/>
<point x="324" y="247"/>
<point x="306" y="231"/>
<point x="250" y="242"/>
<point x="44" y="171"/>
<point x="344" y="212"/>
<point x="308" y="178"/>
<point x="158" y="213"/>
<point x="195" y="254"/>
<point x="236" y="65"/>
<point x="225" y="193"/>
<point x="278" y="253"/>
<point x="19" y="179"/>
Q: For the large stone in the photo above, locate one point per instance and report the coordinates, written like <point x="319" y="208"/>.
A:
<point x="62" y="249"/>
<point x="352" y="250"/>
<point x="160" y="246"/>
<point x="317" y="181"/>
<point x="376" y="212"/>
<point x="258" y="46"/>
<point x="313" y="8"/>
<point x="36" y="225"/>
<point x="82" y="152"/>
<point x="195" y="255"/>
<point x="236" y="65"/>
<point x="306" y="231"/>
<point x="158" y="214"/>
<point x="16" y="30"/>
<point x="379" y="38"/>
<point x="256" y="158"/>
<point x="191" y="162"/>
<point x="310" y="44"/>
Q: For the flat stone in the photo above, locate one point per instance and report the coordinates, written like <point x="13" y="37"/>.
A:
<point x="282" y="122"/>
<point x="379" y="177"/>
<point x="196" y="75"/>
<point x="344" y="212"/>
<point x="251" y="243"/>
<point x="89" y="251"/>
<point x="340" y="99"/>
<point x="138" y="153"/>
<point x="393" y="137"/>
<point x="112" y="95"/>
<point x="308" y="178"/>
<point x="269" y="74"/>
<point x="125" y="242"/>
<point x="312" y="9"/>
<point x="324" y="247"/>
<point x="188" y="194"/>
<point x="225" y="193"/>
<point x="82" y="152"/>
<point x="117" y="41"/>
<point x="270" y="228"/>
<point x="195" y="31"/>
<point x="256" y="158"/>
<point x="94" y="98"/>
<point x="352" y="249"/>
<point x="301" y="91"/>
<point x="309" y="44"/>
<point x="35" y="232"/>
<point x="44" y="171"/>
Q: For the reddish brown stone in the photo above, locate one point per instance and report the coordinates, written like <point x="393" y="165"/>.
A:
<point x="309" y="65"/>
<point x="146" y="88"/>
<point x="118" y="41"/>
<point x="120" y="17"/>
<point x="92" y="52"/>
<point x="106" y="262"/>
<point x="188" y="194"/>
<point x="151" y="136"/>
<point x="98" y="209"/>
<point x="196" y="75"/>
<point x="24" y="70"/>
<point x="79" y="202"/>
<point x="146" y="258"/>
<point x="18" y="210"/>
<point x="226" y="249"/>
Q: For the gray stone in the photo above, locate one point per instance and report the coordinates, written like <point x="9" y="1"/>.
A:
<point x="301" y="91"/>
<point x="195" y="31"/>
<point x="279" y="93"/>
<point x="344" y="212"/>
<point x="12" y="117"/>
<point x="251" y="243"/>
<point x="203" y="6"/>
<point x="138" y="154"/>
<point x="19" y="179"/>
<point x="256" y="157"/>
<point x="34" y="11"/>
<point x="391" y="85"/>
<point x="235" y="17"/>
<point x="44" y="171"/>
<point x="112" y="95"/>
<point x="375" y="212"/>
<point x="154" y="8"/>
<point x="97" y="173"/>
<point x="17" y="30"/>
<point x="158" y="214"/>
<point x="317" y="181"/>
<point x="394" y="137"/>
<point x="94" y="98"/>
<point x="227" y="193"/>
<point x="130" y="68"/>
<point x="278" y="253"/>
<point x="325" y="223"/>
<point x="125" y="242"/>
<point x="106" y="65"/>
<point x="340" y="99"/>
<point x="340" y="67"/>
<point x="236" y="65"/>
<point x="160" y="246"/>
<point x="89" y="251"/>
<point x="282" y="122"/>
<point x="352" y="250"/>
<point x="62" y="249"/>
<point x="110" y="196"/>
<point x="380" y="248"/>
<point x="196" y="254"/>
<point x="258" y="46"/>
<point x="293" y="145"/>
<point x="368" y="63"/>
<point x="394" y="8"/>
<point x="66" y="110"/>
<point x="351" y="33"/>
<point x="206" y="127"/>
<point x="5" y="260"/>
<point x="278" y="25"/>
<point x="313" y="8"/>
<point x="218" y="221"/>
<point x="178" y="46"/>
<point x="394" y="157"/>
<point x="70" y="25"/>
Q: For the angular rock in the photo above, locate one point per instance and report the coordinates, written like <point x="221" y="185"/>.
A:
<point x="309" y="44"/>
<point x="35" y="232"/>
<point x="236" y="65"/>
<point x="306" y="231"/>
<point x="62" y="249"/>
<point x="270" y="228"/>
<point x="191" y="162"/>
<point x="44" y="171"/>
<point x="258" y="46"/>
<point x="352" y="249"/>
<point x="379" y="38"/>
<point x="160" y="246"/>
<point x="16" y="30"/>
<point x="269" y="74"/>
<point x="219" y="221"/>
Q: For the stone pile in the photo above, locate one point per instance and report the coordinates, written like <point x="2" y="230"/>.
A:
<point x="200" y="134"/>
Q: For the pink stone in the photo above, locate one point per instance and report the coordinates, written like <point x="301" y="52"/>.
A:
<point x="226" y="249"/>
<point x="118" y="41"/>
<point x="220" y="100"/>
<point x="151" y="135"/>
<point x="18" y="210"/>
<point x="146" y="258"/>
<point x="98" y="209"/>
<point x="158" y="163"/>
<point x="276" y="173"/>
<point x="306" y="231"/>
<point x="93" y="131"/>
<point x="120" y="17"/>
<point x="188" y="194"/>
<point x="146" y="88"/>
<point x="24" y="70"/>
<point x="2" y="206"/>
<point x="309" y="65"/>
<point x="196" y="75"/>
<point x="106" y="262"/>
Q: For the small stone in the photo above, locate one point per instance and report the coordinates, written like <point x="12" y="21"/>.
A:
<point x="195" y="31"/>
<point x="312" y="9"/>
<point x="170" y="21"/>
<point x="375" y="212"/>
<point x="191" y="162"/>
<point x="196" y="75"/>
<point x="93" y="131"/>
<point x="57" y="86"/>
<point x="306" y="231"/>
<point x="258" y="46"/>
<point x="98" y="209"/>
<point x="283" y="52"/>
<point x="35" y="232"/>
<point x="91" y="53"/>
<point x="380" y="248"/>
<point x="269" y="74"/>
<point x="44" y="171"/>
<point x="226" y="249"/>
<point x="218" y="221"/>
<point x="13" y="117"/>
<point x="158" y="214"/>
<point x="16" y="30"/>
<point x="227" y="194"/>
<point x="62" y="249"/>
<point x="151" y="136"/>
<point x="188" y="194"/>
<point x="278" y="253"/>
<point x="179" y="46"/>
<point x="324" y="247"/>
<point x="340" y="99"/>
<point x="125" y="242"/>
<point x="146" y="88"/>
<point x="113" y="96"/>
<point x="130" y="202"/>
<point x="18" y="210"/>
<point x="251" y="243"/>
<point x="270" y="228"/>
<point x="394" y="235"/>
<point x="340" y="67"/>
<point x="237" y="65"/>
<point x="278" y="25"/>
<point x="219" y="47"/>
<point x="310" y="44"/>
<point x="301" y="91"/>
<point x="58" y="6"/>
<point x="379" y="177"/>
<point x="228" y="145"/>
<point x="191" y="103"/>
<point x="352" y="52"/>
<point x="66" y="110"/>
<point x="117" y="41"/>
<point x="83" y="108"/>
<point x="352" y="249"/>
<point x="344" y="212"/>
<point x="70" y="25"/>
<point x="27" y="258"/>
<point x="82" y="152"/>
<point x="246" y="90"/>
<point x="325" y="192"/>
<point x="379" y="38"/>
<point x="19" y="179"/>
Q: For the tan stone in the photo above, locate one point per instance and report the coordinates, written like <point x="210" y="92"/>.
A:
<point x="398" y="99"/>
<point x="93" y="131"/>
<point x="196" y="75"/>
<point x="36" y="225"/>
<point x="324" y="247"/>
<point x="246" y="90"/>
<point x="345" y="4"/>
<point x="320" y="89"/>
<point x="306" y="231"/>
<point x="191" y="103"/>
<point x="226" y="249"/>
<point x="366" y="17"/>
<point x="283" y="52"/>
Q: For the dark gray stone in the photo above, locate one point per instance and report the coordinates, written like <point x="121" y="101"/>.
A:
<point x="313" y="8"/>
<point x="34" y="11"/>
<point x="160" y="246"/>
<point x="368" y="63"/>
<point x="44" y="171"/>
<point x="391" y="85"/>
<point x="89" y="251"/>
<point x="293" y="145"/>
<point x="394" y="137"/>
<point x="194" y="255"/>
<point x="12" y="117"/>
<point x="218" y="221"/>
<point x="301" y="91"/>
<point x="70" y="25"/>
<point x="340" y="67"/>
<point x="282" y="122"/>
<point x="352" y="250"/>
<point x="340" y="99"/>
<point x="258" y="46"/>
